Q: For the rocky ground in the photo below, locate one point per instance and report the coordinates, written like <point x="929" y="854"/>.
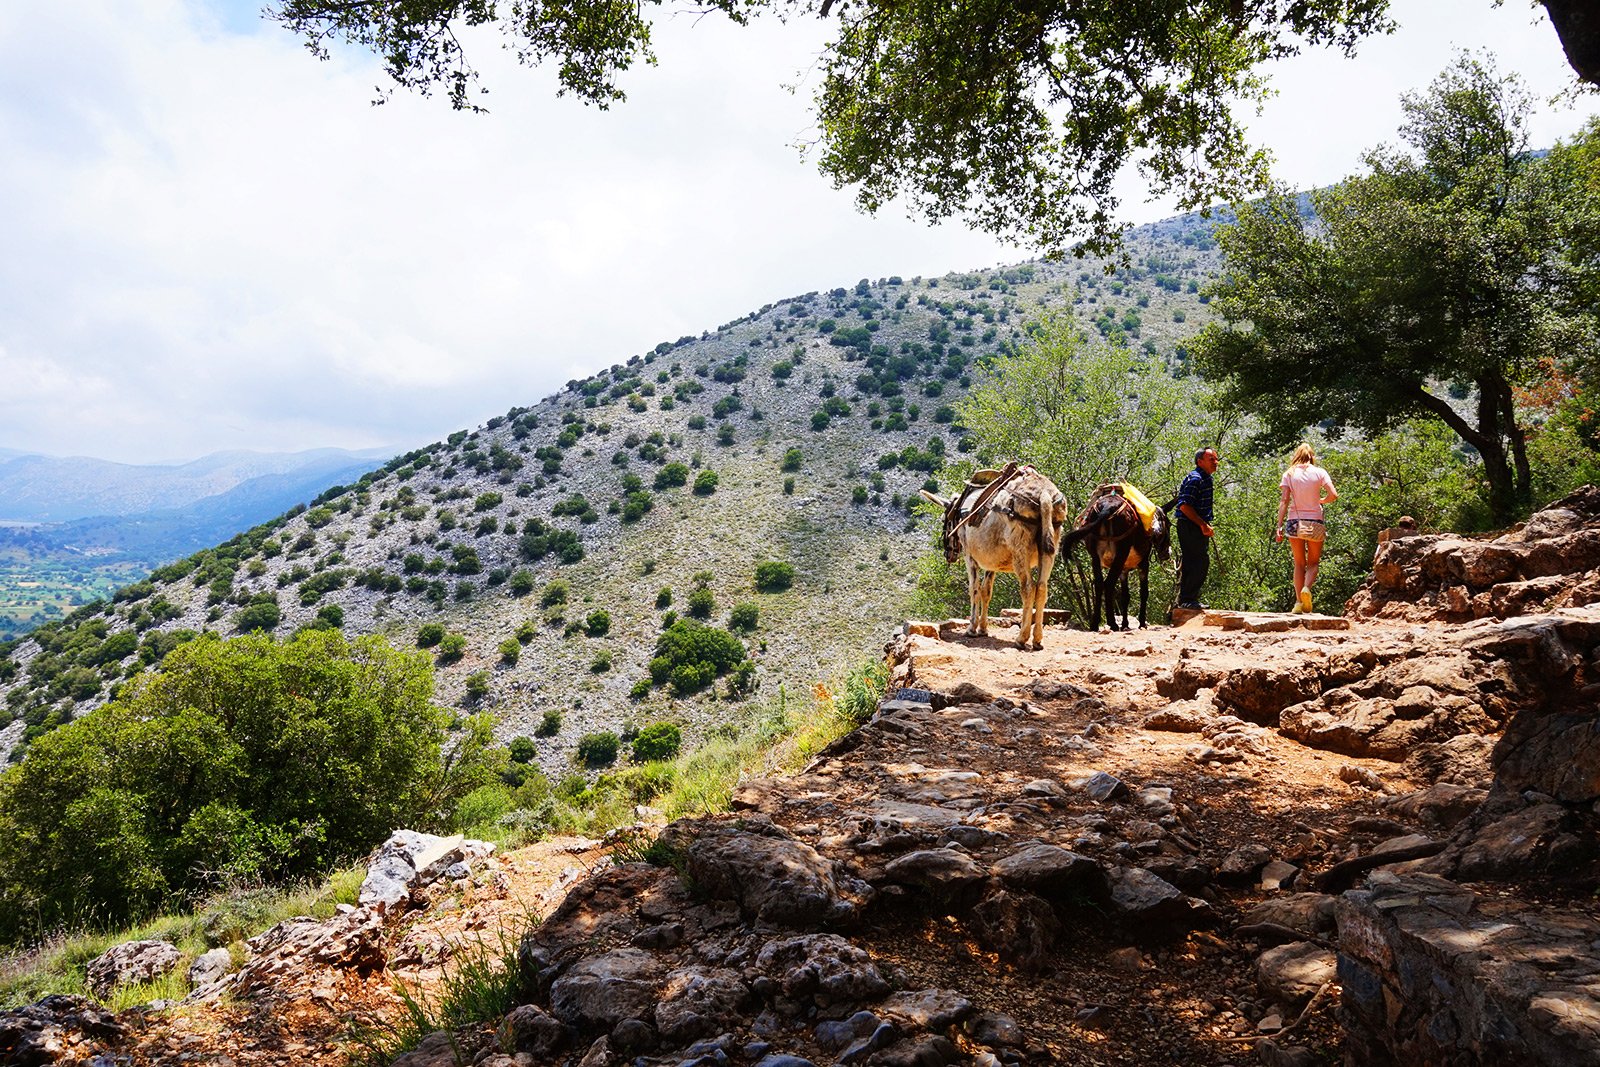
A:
<point x="1239" y="839"/>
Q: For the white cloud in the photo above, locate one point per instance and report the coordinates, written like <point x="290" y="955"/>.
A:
<point x="214" y="241"/>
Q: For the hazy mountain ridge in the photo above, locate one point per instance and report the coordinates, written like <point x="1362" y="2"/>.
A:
<point x="847" y="376"/>
<point x="37" y="488"/>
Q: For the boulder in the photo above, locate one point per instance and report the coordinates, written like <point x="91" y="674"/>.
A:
<point x="821" y="966"/>
<point x="771" y="878"/>
<point x="129" y="962"/>
<point x="697" y="1004"/>
<point x="1151" y="904"/>
<point x="1052" y="872"/>
<point x="210" y="966"/>
<point x="1290" y="975"/>
<point x="528" y="1028"/>
<point x="944" y="872"/>
<point x="1020" y="926"/>
<point x="927" y="1009"/>
<point x="604" y="990"/>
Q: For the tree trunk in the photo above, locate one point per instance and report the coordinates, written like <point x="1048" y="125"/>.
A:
<point x="1518" y="440"/>
<point x="1577" y="23"/>
<point x="1486" y="438"/>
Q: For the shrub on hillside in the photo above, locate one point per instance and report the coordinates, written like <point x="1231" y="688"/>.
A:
<point x="774" y="577"/>
<point x="557" y="592"/>
<point x="549" y="723"/>
<point x="262" y="614"/>
<point x="658" y="741"/>
<point x="705" y="483"/>
<point x="598" y="749"/>
<point x="598" y="624"/>
<point x="671" y="476"/>
<point x="702" y="603"/>
<point x="452" y="647"/>
<point x="243" y="759"/>
<point x="429" y="634"/>
<point x="791" y="461"/>
<point x="690" y="656"/>
<point x="742" y="619"/>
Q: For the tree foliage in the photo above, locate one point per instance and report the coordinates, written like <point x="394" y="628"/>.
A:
<point x="1459" y="262"/>
<point x="241" y="758"/>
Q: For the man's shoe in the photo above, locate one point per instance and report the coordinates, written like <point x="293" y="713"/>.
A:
<point x="1305" y="601"/>
<point x="1192" y="605"/>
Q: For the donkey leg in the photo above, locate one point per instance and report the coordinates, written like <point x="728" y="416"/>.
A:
<point x="1119" y="563"/>
<point x="1144" y="589"/>
<point x="985" y="594"/>
<point x="1041" y="595"/>
<point x="1025" y="595"/>
<point x="1099" y="590"/>
<point x="974" y="595"/>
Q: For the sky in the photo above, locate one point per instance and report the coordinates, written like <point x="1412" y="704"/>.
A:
<point x="210" y="240"/>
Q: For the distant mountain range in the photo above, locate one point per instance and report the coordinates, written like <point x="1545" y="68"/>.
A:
<point x="72" y="529"/>
<point x="36" y="488"/>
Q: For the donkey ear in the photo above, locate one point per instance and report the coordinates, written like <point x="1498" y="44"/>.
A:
<point x="934" y="499"/>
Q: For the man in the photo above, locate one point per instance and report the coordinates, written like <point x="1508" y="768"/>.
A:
<point x="1194" y="528"/>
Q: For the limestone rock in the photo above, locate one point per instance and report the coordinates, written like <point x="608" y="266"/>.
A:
<point x="131" y="961"/>
<point x="1020" y="926"/>
<point x="698" y="1004"/>
<point x="943" y="871"/>
<point x="1051" y="871"/>
<point x="528" y="1028"/>
<point x="1290" y="975"/>
<point x="1140" y="898"/>
<point x="824" y="966"/>
<point x="605" y="990"/>
<point x="772" y="878"/>
<point x="928" y="1009"/>
<point x="1433" y="975"/>
<point x="210" y="966"/>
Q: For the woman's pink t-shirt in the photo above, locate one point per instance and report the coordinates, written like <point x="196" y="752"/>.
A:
<point x="1305" y="483"/>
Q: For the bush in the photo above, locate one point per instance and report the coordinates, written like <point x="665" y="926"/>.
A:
<point x="557" y="592"/>
<point x="521" y="583"/>
<point x="549" y="723"/>
<point x="598" y="624"/>
<point x="477" y="686"/>
<point x="522" y="750"/>
<point x="791" y="461"/>
<point x="429" y="634"/>
<point x="260" y="616"/>
<point x="705" y="483"/>
<point x="743" y="617"/>
<point x="640" y="690"/>
<point x="482" y="808"/>
<point x="691" y="656"/>
<point x="510" y="651"/>
<point x="601" y="662"/>
<point x="701" y="603"/>
<point x="598" y="749"/>
<point x="671" y="476"/>
<point x="452" y="647"/>
<point x="774" y="577"/>
<point x="664" y="597"/>
<point x="243" y="758"/>
<point x="658" y="741"/>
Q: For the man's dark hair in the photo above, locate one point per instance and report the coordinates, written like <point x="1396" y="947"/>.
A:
<point x="1198" y="456"/>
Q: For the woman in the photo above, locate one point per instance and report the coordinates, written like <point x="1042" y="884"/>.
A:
<point x="1306" y="487"/>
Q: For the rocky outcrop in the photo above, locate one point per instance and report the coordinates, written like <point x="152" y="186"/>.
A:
<point x="129" y="962"/>
<point x="1434" y="975"/>
<point x="1551" y="562"/>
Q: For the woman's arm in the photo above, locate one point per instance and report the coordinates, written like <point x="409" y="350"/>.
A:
<point x="1330" y="493"/>
<point x="1283" y="509"/>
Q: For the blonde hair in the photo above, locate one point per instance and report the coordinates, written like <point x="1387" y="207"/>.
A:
<point x="1303" y="454"/>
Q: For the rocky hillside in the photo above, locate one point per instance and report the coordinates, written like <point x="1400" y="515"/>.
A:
<point x="548" y="543"/>
<point x="1282" y="839"/>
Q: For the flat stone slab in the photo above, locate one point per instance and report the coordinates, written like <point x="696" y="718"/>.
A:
<point x="1257" y="622"/>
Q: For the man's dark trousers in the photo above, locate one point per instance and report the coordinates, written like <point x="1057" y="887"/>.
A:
<point x="1194" y="560"/>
